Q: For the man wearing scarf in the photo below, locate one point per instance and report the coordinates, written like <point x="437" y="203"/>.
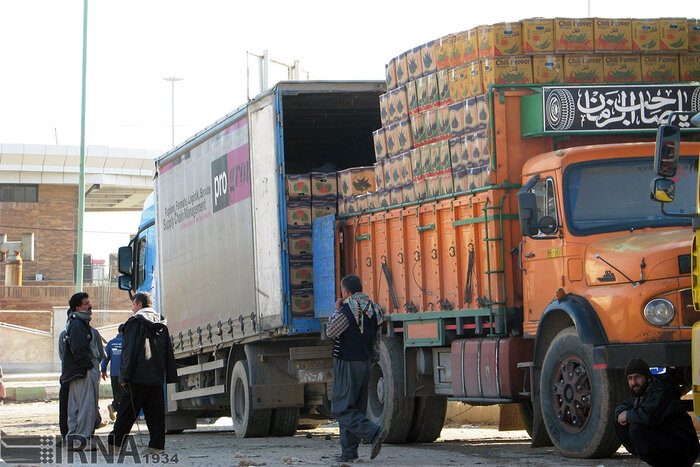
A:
<point x="80" y="372"/>
<point x="355" y="328"/>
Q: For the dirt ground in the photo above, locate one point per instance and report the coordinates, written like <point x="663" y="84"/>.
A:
<point x="215" y="444"/>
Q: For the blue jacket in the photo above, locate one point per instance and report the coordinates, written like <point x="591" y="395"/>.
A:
<point x="114" y="353"/>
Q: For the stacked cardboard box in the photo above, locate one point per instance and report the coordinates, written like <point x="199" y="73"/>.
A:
<point x="308" y="196"/>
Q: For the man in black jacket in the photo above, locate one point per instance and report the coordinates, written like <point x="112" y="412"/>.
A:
<point x="147" y="361"/>
<point x="653" y="425"/>
<point x="355" y="328"/>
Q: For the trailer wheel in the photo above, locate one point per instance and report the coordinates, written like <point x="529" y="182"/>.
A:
<point x="284" y="421"/>
<point x="578" y="404"/>
<point x="428" y="419"/>
<point x="247" y="423"/>
<point x="387" y="405"/>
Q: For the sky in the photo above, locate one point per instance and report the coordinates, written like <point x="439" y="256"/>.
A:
<point x="132" y="45"/>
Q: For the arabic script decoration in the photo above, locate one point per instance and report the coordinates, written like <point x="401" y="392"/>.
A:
<point x="621" y="108"/>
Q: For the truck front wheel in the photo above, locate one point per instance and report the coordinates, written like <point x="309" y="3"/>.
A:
<point x="578" y="403"/>
<point x="247" y="423"/>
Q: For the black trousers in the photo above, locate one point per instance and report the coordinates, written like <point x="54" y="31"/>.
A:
<point x="135" y="398"/>
<point x="117" y="390"/>
<point x="63" y="409"/>
<point x="656" y="447"/>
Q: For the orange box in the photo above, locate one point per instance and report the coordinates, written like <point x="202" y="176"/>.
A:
<point x="301" y="273"/>
<point x="299" y="241"/>
<point x="467" y="47"/>
<point x="500" y="39"/>
<point x="573" y="34"/>
<point x="324" y="184"/>
<point x="401" y="70"/>
<point x="506" y="70"/>
<point x="302" y="303"/>
<point x="299" y="186"/>
<point x="414" y="63"/>
<point x="583" y="68"/>
<point x="538" y="35"/>
<point x="622" y="68"/>
<point x="694" y="35"/>
<point x="674" y="34"/>
<point x="323" y="206"/>
<point x="547" y="69"/>
<point x="660" y="68"/>
<point x="690" y="67"/>
<point x="612" y="35"/>
<point x="428" y="52"/>
<point x="445" y="46"/>
<point x="645" y="35"/>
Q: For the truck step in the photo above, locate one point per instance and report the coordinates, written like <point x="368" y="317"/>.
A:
<point x="178" y="396"/>
<point x="200" y="367"/>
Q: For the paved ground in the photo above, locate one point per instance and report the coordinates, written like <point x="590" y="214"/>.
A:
<point x="215" y="444"/>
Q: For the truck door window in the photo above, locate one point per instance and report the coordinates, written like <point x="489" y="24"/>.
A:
<point x="140" y="262"/>
<point x="546" y="199"/>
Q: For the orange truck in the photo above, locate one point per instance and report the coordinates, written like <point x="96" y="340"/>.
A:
<point x="537" y="288"/>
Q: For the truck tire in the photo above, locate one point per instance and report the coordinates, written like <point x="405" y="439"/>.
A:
<point x="247" y="423"/>
<point x="428" y="418"/>
<point x="578" y="404"/>
<point x="284" y="421"/>
<point x="387" y="406"/>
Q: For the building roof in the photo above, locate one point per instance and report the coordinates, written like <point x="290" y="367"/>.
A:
<point x="116" y="179"/>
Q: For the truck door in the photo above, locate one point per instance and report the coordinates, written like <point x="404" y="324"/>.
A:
<point x="323" y="248"/>
<point x="541" y="254"/>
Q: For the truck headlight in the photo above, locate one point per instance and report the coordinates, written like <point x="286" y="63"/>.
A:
<point x="659" y="311"/>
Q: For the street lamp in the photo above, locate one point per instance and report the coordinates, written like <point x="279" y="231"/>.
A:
<point x="172" y="80"/>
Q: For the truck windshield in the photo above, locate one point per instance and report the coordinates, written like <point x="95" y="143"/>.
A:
<point x="613" y="195"/>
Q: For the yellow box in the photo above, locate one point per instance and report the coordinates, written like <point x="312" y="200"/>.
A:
<point x="475" y="82"/>
<point x="612" y="35"/>
<point x="459" y="82"/>
<point x="445" y="46"/>
<point x="645" y="35"/>
<point x="622" y="68"/>
<point x="506" y="70"/>
<point x="583" y="68"/>
<point x="660" y="68"/>
<point x="694" y="35"/>
<point x="466" y="47"/>
<point x="674" y="34"/>
<point x="500" y="39"/>
<point x="538" y="35"/>
<point x="547" y="69"/>
<point x="690" y="67"/>
<point x="573" y="34"/>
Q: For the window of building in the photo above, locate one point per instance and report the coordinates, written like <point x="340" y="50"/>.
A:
<point x="19" y="193"/>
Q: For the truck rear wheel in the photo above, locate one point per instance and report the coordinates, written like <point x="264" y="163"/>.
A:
<point x="387" y="406"/>
<point x="247" y="423"/>
<point x="578" y="404"/>
<point x="428" y="418"/>
<point x="284" y="421"/>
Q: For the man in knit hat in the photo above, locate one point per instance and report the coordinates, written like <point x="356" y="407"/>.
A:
<point x="653" y="424"/>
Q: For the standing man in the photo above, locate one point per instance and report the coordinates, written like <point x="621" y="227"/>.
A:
<point x="147" y="361"/>
<point x="114" y="355"/>
<point x="653" y="424"/>
<point x="355" y="328"/>
<point x="80" y="372"/>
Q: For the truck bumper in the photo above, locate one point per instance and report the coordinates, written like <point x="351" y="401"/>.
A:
<point x="661" y="354"/>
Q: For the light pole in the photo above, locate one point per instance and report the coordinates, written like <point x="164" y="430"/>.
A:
<point x="172" y="80"/>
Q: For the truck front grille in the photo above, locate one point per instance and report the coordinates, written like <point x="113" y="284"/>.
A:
<point x="688" y="315"/>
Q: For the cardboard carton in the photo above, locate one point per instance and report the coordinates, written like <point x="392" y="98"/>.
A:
<point x="573" y="34"/>
<point x="612" y="35"/>
<point x="538" y="35"/>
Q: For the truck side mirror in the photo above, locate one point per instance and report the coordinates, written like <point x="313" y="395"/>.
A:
<point x="663" y="190"/>
<point x="125" y="282"/>
<point x="124" y="261"/>
<point x="668" y="140"/>
<point x="527" y="208"/>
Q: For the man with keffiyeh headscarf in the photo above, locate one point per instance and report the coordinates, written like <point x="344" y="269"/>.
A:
<point x="355" y="328"/>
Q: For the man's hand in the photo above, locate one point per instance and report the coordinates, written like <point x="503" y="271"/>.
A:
<point x="122" y="384"/>
<point x="622" y="418"/>
<point x="339" y="304"/>
<point x="104" y="375"/>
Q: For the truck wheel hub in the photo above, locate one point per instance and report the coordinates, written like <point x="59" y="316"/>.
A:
<point x="380" y="389"/>
<point x="572" y="393"/>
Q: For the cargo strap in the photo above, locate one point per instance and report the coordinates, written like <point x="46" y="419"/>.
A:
<point x="470" y="275"/>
